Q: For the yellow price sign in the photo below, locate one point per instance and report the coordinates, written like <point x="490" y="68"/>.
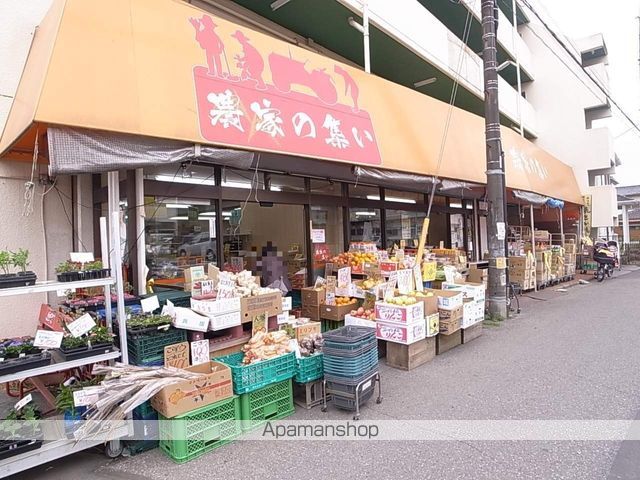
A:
<point x="501" y="263"/>
<point x="429" y="271"/>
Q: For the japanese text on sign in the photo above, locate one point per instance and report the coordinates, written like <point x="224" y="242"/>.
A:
<point x="81" y="325"/>
<point x="177" y="355"/>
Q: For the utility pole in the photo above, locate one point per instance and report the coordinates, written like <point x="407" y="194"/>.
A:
<point x="496" y="225"/>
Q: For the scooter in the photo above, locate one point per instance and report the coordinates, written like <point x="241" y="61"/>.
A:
<point x="606" y="260"/>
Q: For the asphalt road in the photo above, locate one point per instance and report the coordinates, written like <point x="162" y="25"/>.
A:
<point x="569" y="356"/>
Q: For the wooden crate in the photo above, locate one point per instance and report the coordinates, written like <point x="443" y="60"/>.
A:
<point x="408" y="357"/>
<point x="471" y="333"/>
<point x="444" y="343"/>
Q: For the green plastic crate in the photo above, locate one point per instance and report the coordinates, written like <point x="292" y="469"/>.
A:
<point x="147" y="348"/>
<point x="248" y="378"/>
<point x="328" y="325"/>
<point x="195" y="433"/>
<point x="272" y="402"/>
<point x="309" y="368"/>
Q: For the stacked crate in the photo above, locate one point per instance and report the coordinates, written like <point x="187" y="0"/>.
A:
<point x="350" y="358"/>
<point x="557" y="263"/>
<point x="522" y="270"/>
<point x="543" y="267"/>
<point x="570" y="251"/>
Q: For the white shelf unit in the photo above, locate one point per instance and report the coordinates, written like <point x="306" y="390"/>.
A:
<point x="55" y="449"/>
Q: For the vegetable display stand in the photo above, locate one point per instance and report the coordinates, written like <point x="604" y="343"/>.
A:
<point x="272" y="402"/>
<point x="10" y="448"/>
<point x="309" y="368"/>
<point x="308" y="395"/>
<point x="248" y="378"/>
<point x="83" y="352"/>
<point x="195" y="433"/>
<point x="148" y="348"/>
<point x="12" y="365"/>
<point x="22" y="279"/>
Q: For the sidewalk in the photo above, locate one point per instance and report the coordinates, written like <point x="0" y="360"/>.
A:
<point x="568" y="355"/>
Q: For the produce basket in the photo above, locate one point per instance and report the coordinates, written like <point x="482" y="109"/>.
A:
<point x="248" y="378"/>
<point x="356" y="352"/>
<point x="348" y="336"/>
<point x="83" y="352"/>
<point x="343" y="391"/>
<point x="195" y="433"/>
<point x="12" y="365"/>
<point x="272" y="402"/>
<point x="351" y="367"/>
<point x="148" y="349"/>
<point x="309" y="368"/>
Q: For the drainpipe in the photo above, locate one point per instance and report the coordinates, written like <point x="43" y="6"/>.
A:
<point x="514" y="33"/>
<point x="140" y="237"/>
<point x="364" y="30"/>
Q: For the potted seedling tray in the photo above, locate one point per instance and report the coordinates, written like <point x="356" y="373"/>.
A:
<point x="18" y="433"/>
<point x="76" y="272"/>
<point x="84" y="351"/>
<point x="13" y="365"/>
<point x="18" y="260"/>
<point x="139" y="325"/>
<point x="10" y="448"/>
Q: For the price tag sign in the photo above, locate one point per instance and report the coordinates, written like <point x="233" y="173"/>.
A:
<point x="417" y="278"/>
<point x="259" y="323"/>
<point x="225" y="292"/>
<point x="50" y="319"/>
<point x="400" y="254"/>
<point x="405" y="281"/>
<point x="429" y="270"/>
<point x="81" y="325"/>
<point x="64" y="292"/>
<point x="344" y="277"/>
<point x="317" y="235"/>
<point x="501" y="230"/>
<point x="206" y="287"/>
<point x="86" y="397"/>
<point x="287" y="304"/>
<point x="47" y="339"/>
<point x="81" y="257"/>
<point x="150" y="304"/>
<point x="330" y="291"/>
<point x="382" y="255"/>
<point x="177" y="355"/>
<point x="200" y="352"/>
<point x="24" y="401"/>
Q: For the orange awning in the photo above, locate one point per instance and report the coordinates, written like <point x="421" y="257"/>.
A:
<point x="163" y="68"/>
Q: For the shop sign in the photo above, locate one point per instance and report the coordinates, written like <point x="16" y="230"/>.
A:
<point x="47" y="339"/>
<point x="263" y="100"/>
<point x="330" y="291"/>
<point x="586" y="213"/>
<point x="177" y="355"/>
<point x="200" y="352"/>
<point x="417" y="278"/>
<point x="344" y="277"/>
<point x="405" y="281"/>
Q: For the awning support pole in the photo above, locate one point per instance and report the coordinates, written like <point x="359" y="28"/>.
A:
<point x="533" y="243"/>
<point x="561" y="227"/>
<point x="140" y="237"/>
<point x="365" y="34"/>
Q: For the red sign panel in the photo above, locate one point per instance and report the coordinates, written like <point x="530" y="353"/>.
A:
<point x="239" y="107"/>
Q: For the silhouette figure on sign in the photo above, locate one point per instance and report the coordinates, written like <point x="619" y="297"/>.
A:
<point x="286" y="71"/>
<point x="211" y="44"/>
<point x="350" y="86"/>
<point x="251" y="62"/>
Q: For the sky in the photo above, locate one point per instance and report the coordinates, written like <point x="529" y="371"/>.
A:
<point x="617" y="21"/>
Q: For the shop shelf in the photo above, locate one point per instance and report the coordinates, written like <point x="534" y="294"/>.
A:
<point x="272" y="402"/>
<point x="248" y="378"/>
<point x="195" y="433"/>
<point x="309" y="368"/>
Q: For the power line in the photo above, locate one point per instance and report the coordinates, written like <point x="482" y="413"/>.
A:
<point x="579" y="63"/>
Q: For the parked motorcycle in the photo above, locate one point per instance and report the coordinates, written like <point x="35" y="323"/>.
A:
<point x="605" y="258"/>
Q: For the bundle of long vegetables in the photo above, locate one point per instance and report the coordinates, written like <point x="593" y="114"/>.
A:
<point x="124" y="388"/>
<point x="264" y="346"/>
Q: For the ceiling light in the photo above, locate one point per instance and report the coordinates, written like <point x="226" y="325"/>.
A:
<point x="177" y="205"/>
<point x="226" y="214"/>
<point x="236" y="185"/>
<point x="275" y="188"/>
<point x="208" y="214"/>
<point x="279" y="3"/>
<point x="179" y="218"/>
<point x="365" y="214"/>
<point x="176" y="179"/>
<point x="428" y="81"/>
<point x="391" y="199"/>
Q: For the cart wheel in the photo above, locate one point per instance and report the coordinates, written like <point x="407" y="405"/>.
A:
<point x="379" y="400"/>
<point x="356" y="417"/>
<point x="113" y="452"/>
<point x="323" y="409"/>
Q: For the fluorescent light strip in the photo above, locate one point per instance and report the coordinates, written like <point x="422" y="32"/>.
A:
<point x="391" y="199"/>
<point x="208" y="214"/>
<point x="177" y="205"/>
<point x="279" y="3"/>
<point x="191" y="180"/>
<point x="365" y="214"/>
<point x="179" y="218"/>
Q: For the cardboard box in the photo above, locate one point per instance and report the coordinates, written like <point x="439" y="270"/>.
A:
<point x="449" y="326"/>
<point x="449" y="299"/>
<point x="523" y="263"/>
<point x="474" y="291"/>
<point x="444" y="343"/>
<point x="312" y="297"/>
<point x="471" y="333"/>
<point x="182" y="397"/>
<point x="398" y="333"/>
<point x="387" y="312"/>
<point x="473" y="313"/>
<point x="215" y="307"/>
<point x="451" y="314"/>
<point x="271" y="303"/>
<point x="433" y="324"/>
<point x="312" y="312"/>
<point x="519" y="276"/>
<point x="336" y="312"/>
<point x="430" y="304"/>
<point x="408" y="357"/>
<point x="477" y="275"/>
<point x="359" y="322"/>
<point x="306" y="329"/>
